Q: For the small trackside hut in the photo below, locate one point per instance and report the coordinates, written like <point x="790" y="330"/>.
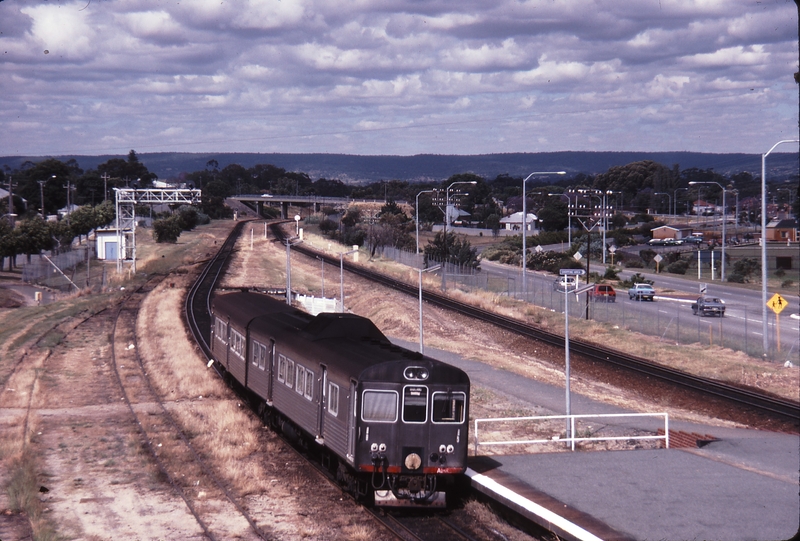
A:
<point x="391" y="423"/>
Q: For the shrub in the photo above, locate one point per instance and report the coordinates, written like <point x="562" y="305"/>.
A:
<point x="678" y="267"/>
<point x="167" y="230"/>
<point x="327" y="225"/>
<point x="635" y="279"/>
<point x="611" y="274"/>
<point x="634" y="264"/>
<point x="737" y="278"/>
<point x="787" y="283"/>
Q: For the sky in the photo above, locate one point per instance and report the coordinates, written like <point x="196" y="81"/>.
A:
<point x="398" y="77"/>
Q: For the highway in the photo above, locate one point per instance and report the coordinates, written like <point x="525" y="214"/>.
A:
<point x="670" y="316"/>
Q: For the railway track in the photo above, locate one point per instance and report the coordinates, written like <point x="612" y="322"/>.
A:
<point x="742" y="397"/>
<point x="179" y="463"/>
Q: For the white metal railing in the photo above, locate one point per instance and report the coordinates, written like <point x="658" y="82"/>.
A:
<point x="571" y="439"/>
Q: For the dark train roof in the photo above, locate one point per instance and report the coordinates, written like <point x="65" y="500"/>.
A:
<point x="348" y="344"/>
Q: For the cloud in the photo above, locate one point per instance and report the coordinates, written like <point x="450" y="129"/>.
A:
<point x="392" y="76"/>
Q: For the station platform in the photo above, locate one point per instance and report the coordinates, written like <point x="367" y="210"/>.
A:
<point x="729" y="484"/>
<point x="741" y="486"/>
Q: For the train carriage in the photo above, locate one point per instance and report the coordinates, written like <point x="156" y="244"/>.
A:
<point x="394" y="420"/>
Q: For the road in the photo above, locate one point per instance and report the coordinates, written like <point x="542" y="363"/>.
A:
<point x="670" y="316"/>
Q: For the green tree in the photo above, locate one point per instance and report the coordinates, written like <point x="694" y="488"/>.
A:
<point x="167" y="230"/>
<point x="454" y="250"/>
<point x="34" y="235"/>
<point x="8" y="243"/>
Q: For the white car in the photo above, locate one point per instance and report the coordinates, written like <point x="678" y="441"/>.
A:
<point x="564" y="283"/>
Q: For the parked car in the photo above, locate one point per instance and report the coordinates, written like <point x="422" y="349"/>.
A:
<point x="656" y="242"/>
<point x="692" y="239"/>
<point x="709" y="306"/>
<point x="564" y="283"/>
<point x="602" y="292"/>
<point x="642" y="292"/>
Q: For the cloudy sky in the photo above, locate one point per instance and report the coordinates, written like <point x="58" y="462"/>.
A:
<point x="396" y="77"/>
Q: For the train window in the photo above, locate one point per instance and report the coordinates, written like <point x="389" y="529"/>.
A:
<point x="449" y="407"/>
<point x="309" y="388"/>
<point x="221" y="331"/>
<point x="333" y="399"/>
<point x="255" y="352"/>
<point x="262" y="358"/>
<point x="415" y="404"/>
<point x="259" y="354"/>
<point x="282" y="368"/>
<point x="289" y="373"/>
<point x="300" y="379"/>
<point x="379" y="406"/>
<point x="237" y="343"/>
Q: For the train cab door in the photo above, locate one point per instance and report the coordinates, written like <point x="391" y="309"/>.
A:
<point x="351" y="422"/>
<point x="271" y="369"/>
<point x="323" y="403"/>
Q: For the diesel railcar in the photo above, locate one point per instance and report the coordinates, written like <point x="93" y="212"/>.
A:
<point x="391" y="423"/>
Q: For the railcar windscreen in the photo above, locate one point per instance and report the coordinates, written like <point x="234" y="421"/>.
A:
<point x="449" y="407"/>
<point x="415" y="404"/>
<point x="379" y="406"/>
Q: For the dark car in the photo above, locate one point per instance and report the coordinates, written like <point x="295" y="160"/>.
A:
<point x="709" y="306"/>
<point x="602" y="292"/>
<point x="692" y="239"/>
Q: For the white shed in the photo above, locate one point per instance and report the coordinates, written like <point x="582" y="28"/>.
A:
<point x="108" y="244"/>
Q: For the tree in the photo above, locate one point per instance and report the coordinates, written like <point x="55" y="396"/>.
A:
<point x="167" y="230"/>
<point x="130" y="172"/>
<point x="453" y="250"/>
<point x="8" y="243"/>
<point x="33" y="235"/>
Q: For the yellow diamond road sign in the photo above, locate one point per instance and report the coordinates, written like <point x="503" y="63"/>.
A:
<point x="777" y="303"/>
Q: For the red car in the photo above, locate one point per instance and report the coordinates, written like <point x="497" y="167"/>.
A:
<point x="602" y="292"/>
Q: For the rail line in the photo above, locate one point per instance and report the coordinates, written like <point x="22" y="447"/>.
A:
<point x="761" y="402"/>
<point x="170" y="448"/>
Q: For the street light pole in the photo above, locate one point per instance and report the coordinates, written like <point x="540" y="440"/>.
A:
<point x="525" y="227"/>
<point x="446" y="219"/>
<point x="417" y="220"/>
<point x="669" y="199"/>
<point x="675" y="200"/>
<point x="341" y="274"/>
<point x="420" y="271"/>
<point x="724" y="221"/>
<point x="764" y="327"/>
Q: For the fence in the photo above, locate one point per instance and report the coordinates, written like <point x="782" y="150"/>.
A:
<point x="572" y="439"/>
<point x="56" y="271"/>
<point x="673" y="321"/>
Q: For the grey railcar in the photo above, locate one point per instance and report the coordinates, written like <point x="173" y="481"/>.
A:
<point x="393" y="422"/>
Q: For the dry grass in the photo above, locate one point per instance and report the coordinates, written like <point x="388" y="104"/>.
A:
<point x="171" y="357"/>
<point x="229" y="436"/>
<point x="494" y="527"/>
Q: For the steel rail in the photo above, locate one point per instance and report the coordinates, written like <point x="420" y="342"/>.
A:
<point x="784" y="408"/>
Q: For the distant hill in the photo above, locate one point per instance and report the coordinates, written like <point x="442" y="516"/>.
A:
<point x="354" y="169"/>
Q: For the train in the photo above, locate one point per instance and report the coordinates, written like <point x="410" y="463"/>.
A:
<point x="389" y="423"/>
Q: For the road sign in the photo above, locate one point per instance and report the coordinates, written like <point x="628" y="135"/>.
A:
<point x="703" y="288"/>
<point x="777" y="303"/>
<point x="571" y="272"/>
<point x="577" y="256"/>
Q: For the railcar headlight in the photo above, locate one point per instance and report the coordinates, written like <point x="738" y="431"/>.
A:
<point x="442" y="449"/>
<point x="450" y="449"/>
<point x="413" y="461"/>
<point x="373" y="447"/>
<point x="382" y="447"/>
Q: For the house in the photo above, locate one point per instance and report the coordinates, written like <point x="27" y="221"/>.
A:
<point x="782" y="230"/>
<point x="671" y="232"/>
<point x="514" y="222"/>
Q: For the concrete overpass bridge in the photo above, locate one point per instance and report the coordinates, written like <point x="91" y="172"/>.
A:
<point x="314" y="202"/>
